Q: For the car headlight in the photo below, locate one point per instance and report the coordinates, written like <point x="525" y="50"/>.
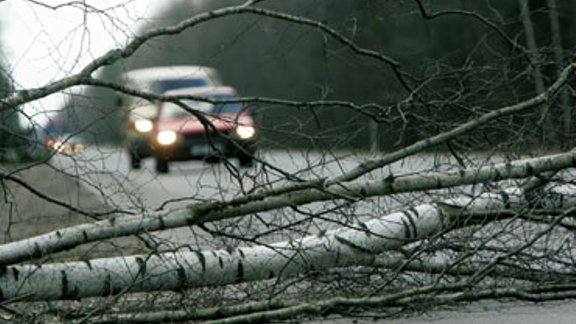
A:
<point x="143" y="125"/>
<point x="245" y="132"/>
<point x="166" y="137"/>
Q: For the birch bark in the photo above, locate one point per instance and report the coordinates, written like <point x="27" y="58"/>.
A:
<point x="186" y="269"/>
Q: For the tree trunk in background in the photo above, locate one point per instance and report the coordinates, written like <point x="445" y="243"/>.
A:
<point x="559" y="60"/>
<point x="544" y="122"/>
<point x="373" y="129"/>
<point x="9" y="119"/>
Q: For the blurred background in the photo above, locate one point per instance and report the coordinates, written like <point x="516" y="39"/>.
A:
<point x="457" y="65"/>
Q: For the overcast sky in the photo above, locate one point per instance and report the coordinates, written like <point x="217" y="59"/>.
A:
<point x="41" y="44"/>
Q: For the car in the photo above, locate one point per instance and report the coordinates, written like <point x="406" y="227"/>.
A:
<point x="139" y="113"/>
<point x="219" y="131"/>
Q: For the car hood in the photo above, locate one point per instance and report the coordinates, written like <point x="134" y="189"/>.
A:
<point x="191" y="124"/>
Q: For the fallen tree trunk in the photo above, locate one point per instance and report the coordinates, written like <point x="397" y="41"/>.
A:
<point x="71" y="237"/>
<point x="185" y="269"/>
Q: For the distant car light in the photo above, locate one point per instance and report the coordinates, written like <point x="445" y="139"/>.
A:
<point x="245" y="132"/>
<point x="56" y="145"/>
<point x="166" y="137"/>
<point x="65" y="144"/>
<point x="60" y="147"/>
<point x="143" y="125"/>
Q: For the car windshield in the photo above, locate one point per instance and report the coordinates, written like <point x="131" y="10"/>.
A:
<point x="172" y="84"/>
<point x="172" y="110"/>
<point x="226" y="107"/>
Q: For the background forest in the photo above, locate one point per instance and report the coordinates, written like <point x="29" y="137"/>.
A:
<point x="474" y="56"/>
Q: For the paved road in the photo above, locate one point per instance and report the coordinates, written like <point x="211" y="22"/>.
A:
<point x="488" y="312"/>
<point x="109" y="175"/>
<point x="107" y="172"/>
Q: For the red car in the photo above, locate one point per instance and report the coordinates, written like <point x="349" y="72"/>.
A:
<point x="228" y="129"/>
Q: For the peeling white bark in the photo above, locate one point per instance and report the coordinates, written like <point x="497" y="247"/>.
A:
<point x="184" y="269"/>
<point x="68" y="238"/>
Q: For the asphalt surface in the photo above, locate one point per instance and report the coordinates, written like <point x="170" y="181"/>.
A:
<point x="486" y="312"/>
<point x="49" y="199"/>
<point x="99" y="180"/>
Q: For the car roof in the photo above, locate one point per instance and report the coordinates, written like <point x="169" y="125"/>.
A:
<point x="173" y="71"/>
<point x="203" y="91"/>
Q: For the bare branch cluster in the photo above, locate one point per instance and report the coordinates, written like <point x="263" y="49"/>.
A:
<point x="451" y="214"/>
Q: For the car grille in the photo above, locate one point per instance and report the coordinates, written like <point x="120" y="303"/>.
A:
<point x="191" y="139"/>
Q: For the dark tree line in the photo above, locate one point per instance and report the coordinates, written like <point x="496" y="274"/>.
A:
<point x="12" y="134"/>
<point x="472" y="55"/>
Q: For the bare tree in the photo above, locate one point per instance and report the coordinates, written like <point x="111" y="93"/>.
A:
<point x="559" y="58"/>
<point x="455" y="212"/>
